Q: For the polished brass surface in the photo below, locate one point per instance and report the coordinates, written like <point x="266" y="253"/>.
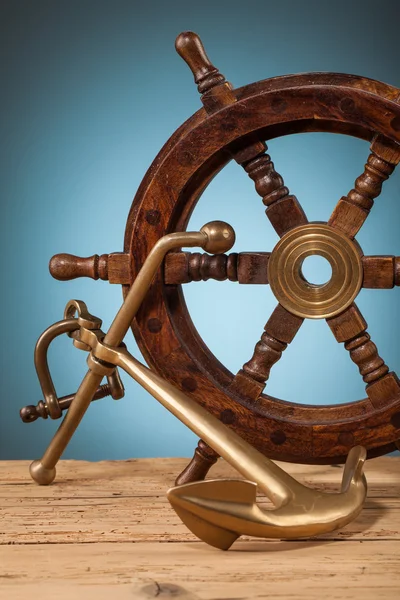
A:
<point x="289" y="285"/>
<point x="115" y="385"/>
<point x="30" y="413"/>
<point x="83" y="316"/>
<point x="220" y="236"/>
<point x="220" y="511"/>
<point x="67" y="325"/>
<point x="42" y="368"/>
<point x="51" y="405"/>
<point x="215" y="235"/>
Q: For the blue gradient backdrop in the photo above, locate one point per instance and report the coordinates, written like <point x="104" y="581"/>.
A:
<point x="90" y="91"/>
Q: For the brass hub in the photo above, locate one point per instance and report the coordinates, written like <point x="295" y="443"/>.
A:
<point x="306" y="299"/>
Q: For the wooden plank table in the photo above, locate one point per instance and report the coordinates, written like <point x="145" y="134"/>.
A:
<point x="106" y="530"/>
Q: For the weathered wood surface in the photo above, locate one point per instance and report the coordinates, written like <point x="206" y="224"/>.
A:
<point x="106" y="529"/>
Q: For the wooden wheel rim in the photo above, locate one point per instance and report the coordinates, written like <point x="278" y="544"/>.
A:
<point x="163" y="328"/>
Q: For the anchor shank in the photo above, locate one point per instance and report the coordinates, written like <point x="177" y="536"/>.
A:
<point x="275" y="483"/>
<point x="140" y="286"/>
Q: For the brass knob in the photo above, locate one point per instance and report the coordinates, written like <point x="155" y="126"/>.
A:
<point x="220" y="237"/>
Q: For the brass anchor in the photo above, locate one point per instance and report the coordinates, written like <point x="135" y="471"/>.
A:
<point x="217" y="511"/>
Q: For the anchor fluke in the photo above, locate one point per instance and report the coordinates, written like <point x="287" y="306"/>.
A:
<point x="219" y="511"/>
<point x="194" y="501"/>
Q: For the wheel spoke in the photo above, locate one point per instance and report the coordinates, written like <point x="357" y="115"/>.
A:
<point x="353" y="209"/>
<point x="279" y="331"/>
<point x="283" y="210"/>
<point x="350" y="328"/>
<point x="381" y="272"/>
<point x="245" y="267"/>
<point x="203" y="459"/>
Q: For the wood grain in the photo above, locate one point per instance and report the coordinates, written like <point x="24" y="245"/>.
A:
<point x="379" y="272"/>
<point x="350" y="327"/>
<point x="283" y="210"/>
<point x="76" y="538"/>
<point x="235" y="123"/>
<point x="203" y="459"/>
<point x="244" y="267"/>
<point x="279" y="331"/>
<point x="114" y="267"/>
<point x="352" y="210"/>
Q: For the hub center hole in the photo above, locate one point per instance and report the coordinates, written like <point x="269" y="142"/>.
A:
<point x="316" y="270"/>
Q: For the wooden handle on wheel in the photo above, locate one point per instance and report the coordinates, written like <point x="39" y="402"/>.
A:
<point x="190" y="47"/>
<point x="68" y="266"/>
<point x="114" y="267"/>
